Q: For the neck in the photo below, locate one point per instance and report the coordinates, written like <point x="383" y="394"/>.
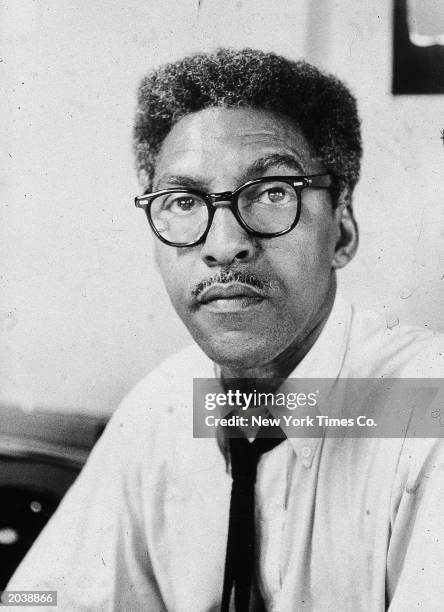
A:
<point x="282" y="365"/>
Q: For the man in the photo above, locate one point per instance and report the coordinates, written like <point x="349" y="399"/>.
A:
<point x="248" y="162"/>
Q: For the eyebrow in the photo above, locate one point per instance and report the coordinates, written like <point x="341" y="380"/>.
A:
<point x="179" y="180"/>
<point x="255" y="169"/>
<point x="263" y="164"/>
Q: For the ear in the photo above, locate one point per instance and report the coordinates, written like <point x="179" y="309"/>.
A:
<point x="347" y="233"/>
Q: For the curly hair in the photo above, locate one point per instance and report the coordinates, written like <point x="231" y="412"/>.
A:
<point x="320" y="105"/>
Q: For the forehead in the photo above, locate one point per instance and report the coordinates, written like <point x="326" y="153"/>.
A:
<point x="229" y="140"/>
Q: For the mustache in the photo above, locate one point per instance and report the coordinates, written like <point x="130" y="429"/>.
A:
<point x="234" y="276"/>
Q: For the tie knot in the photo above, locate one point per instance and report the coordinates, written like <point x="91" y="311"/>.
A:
<point x="245" y="455"/>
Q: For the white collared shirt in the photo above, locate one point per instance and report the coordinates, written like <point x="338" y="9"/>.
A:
<point x="342" y="524"/>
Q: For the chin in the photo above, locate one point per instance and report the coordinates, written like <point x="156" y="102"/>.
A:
<point x="237" y="350"/>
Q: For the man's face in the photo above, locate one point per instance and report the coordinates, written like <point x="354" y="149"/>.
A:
<point x="243" y="324"/>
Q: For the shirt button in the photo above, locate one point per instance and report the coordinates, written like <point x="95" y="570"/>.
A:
<point x="306" y="456"/>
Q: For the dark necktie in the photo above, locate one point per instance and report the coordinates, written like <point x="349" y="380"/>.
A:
<point x="240" y="556"/>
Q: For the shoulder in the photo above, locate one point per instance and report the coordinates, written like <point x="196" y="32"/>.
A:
<point x="161" y="403"/>
<point x="381" y="348"/>
<point x="419" y="478"/>
<point x="171" y="382"/>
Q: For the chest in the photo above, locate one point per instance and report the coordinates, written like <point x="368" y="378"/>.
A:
<point x="321" y="528"/>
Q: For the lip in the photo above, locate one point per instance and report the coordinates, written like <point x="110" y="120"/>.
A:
<point x="234" y="291"/>
<point x="232" y="298"/>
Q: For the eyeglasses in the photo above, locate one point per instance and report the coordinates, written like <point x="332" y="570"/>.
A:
<point x="265" y="207"/>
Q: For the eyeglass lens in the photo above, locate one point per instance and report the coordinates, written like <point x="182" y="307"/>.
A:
<point x="266" y="207"/>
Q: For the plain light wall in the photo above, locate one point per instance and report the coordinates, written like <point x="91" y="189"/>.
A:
<point x="83" y="311"/>
<point x="399" y="201"/>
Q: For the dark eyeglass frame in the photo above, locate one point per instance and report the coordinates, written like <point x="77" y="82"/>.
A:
<point x="215" y="200"/>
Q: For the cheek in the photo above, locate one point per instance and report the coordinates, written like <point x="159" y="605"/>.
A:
<point x="317" y="228"/>
<point x="167" y="264"/>
<point x="175" y="268"/>
<point x="303" y="257"/>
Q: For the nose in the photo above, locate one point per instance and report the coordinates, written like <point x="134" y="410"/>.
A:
<point x="227" y="242"/>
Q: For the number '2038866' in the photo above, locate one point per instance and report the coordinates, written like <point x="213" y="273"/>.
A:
<point x="29" y="598"/>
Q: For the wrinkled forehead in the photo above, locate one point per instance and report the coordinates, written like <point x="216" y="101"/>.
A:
<point x="217" y="140"/>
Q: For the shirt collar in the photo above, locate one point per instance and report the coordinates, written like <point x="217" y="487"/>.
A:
<point x="324" y="360"/>
<point x="326" y="356"/>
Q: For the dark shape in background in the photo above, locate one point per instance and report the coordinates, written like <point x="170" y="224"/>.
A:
<point x="41" y="454"/>
<point x="416" y="69"/>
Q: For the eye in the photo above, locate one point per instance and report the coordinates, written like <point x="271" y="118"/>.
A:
<point x="181" y="204"/>
<point x="275" y="195"/>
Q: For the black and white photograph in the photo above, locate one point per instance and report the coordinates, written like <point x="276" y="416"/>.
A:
<point x="222" y="306"/>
